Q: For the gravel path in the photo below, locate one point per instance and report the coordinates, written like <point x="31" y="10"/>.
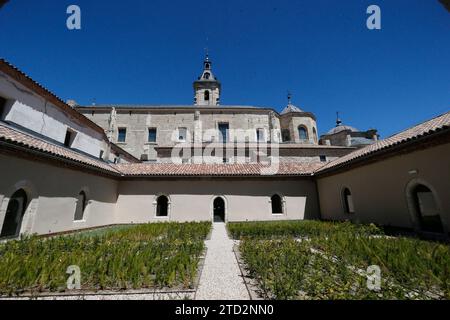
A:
<point x="221" y="277"/>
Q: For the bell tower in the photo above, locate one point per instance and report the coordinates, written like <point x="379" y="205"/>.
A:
<point x="207" y="87"/>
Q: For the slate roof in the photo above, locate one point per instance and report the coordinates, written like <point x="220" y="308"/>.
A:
<point x="341" y="128"/>
<point x="291" y="108"/>
<point x="361" y="141"/>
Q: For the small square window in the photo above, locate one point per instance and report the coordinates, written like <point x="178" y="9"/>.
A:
<point x="122" y="136"/>
<point x="2" y="106"/>
<point x="152" y="135"/>
<point x="323" y="158"/>
<point x="70" y="137"/>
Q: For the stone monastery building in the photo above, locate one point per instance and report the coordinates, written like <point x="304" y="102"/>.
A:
<point x="68" y="167"/>
<point x="151" y="132"/>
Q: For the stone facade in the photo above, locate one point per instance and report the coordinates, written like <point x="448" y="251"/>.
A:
<point x="129" y="126"/>
<point x="243" y="124"/>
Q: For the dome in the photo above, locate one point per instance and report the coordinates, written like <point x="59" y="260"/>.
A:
<point x="291" y="108"/>
<point x="341" y="128"/>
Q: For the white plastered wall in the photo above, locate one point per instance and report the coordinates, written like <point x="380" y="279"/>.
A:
<point x="191" y="199"/>
<point x="380" y="189"/>
<point x="52" y="195"/>
<point x="29" y="110"/>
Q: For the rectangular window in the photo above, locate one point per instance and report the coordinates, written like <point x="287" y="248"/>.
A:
<point x="101" y="154"/>
<point x="2" y="106"/>
<point x="323" y="158"/>
<point x="223" y="132"/>
<point x="286" y="135"/>
<point x="152" y="135"/>
<point x="70" y="137"/>
<point x="182" y="134"/>
<point x="122" y="137"/>
<point x="260" y="135"/>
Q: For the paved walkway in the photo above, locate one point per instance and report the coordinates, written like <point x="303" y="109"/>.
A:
<point x="221" y="277"/>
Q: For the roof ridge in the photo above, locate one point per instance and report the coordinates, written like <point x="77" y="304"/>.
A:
<point x="417" y="124"/>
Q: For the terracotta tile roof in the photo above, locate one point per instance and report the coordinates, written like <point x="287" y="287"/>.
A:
<point x="17" y="137"/>
<point x="426" y="128"/>
<point x="224" y="170"/>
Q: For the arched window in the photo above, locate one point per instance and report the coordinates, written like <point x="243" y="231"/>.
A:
<point x="162" y="206"/>
<point x="277" y="204"/>
<point x="207" y="75"/>
<point x="14" y="215"/>
<point x="206" y="95"/>
<point x="81" y="206"/>
<point x="302" y="133"/>
<point x="348" y="201"/>
<point x="427" y="209"/>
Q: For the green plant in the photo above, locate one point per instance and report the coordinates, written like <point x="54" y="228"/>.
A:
<point x="143" y="256"/>
<point x="304" y="228"/>
<point x="321" y="264"/>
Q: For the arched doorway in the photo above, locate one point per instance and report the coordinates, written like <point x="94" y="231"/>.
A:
<point x="426" y="209"/>
<point x="162" y="206"/>
<point x="277" y="204"/>
<point x="14" y="215"/>
<point x="219" y="210"/>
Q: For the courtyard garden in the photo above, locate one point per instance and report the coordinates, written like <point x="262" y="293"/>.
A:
<point x="333" y="260"/>
<point x="150" y="256"/>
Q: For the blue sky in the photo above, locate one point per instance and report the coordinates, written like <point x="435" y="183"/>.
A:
<point x="150" y="52"/>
